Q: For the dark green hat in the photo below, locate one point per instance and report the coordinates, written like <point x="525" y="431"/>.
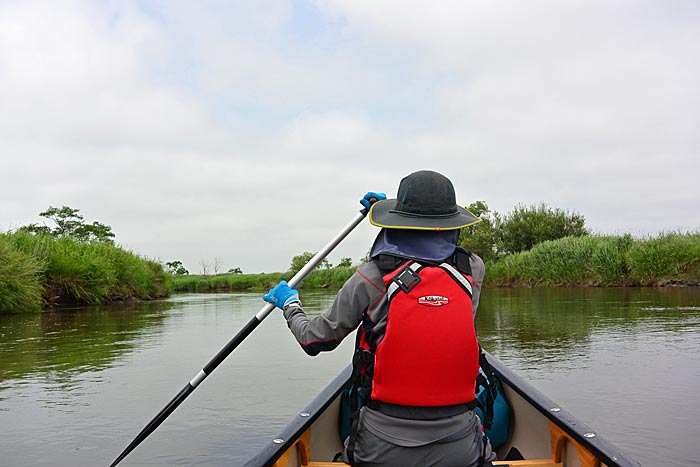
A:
<point x="425" y="201"/>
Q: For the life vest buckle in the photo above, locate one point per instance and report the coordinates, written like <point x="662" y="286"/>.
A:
<point x="407" y="279"/>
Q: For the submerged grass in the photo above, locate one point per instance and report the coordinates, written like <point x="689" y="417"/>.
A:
<point x="64" y="270"/>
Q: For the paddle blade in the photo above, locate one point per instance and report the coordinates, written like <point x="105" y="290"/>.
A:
<point x="157" y="420"/>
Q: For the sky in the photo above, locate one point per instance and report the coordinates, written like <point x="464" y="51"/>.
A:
<point x="247" y="131"/>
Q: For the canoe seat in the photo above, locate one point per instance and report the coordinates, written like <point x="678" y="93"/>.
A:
<point x="525" y="463"/>
<point x="558" y="439"/>
<point x="325" y="464"/>
<point x="530" y="463"/>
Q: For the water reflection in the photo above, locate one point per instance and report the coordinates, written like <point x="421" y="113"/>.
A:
<point x="557" y="325"/>
<point x="52" y="347"/>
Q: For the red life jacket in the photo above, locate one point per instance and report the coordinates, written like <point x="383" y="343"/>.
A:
<point x="423" y="351"/>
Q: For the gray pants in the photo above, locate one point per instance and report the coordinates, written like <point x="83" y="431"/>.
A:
<point x="465" y="449"/>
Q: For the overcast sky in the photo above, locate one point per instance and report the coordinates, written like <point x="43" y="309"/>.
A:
<point x="248" y="130"/>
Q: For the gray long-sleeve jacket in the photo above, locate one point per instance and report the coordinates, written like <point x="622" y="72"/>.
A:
<point x="363" y="293"/>
<point x="458" y="437"/>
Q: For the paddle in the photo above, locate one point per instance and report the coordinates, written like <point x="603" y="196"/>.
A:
<point x="240" y="337"/>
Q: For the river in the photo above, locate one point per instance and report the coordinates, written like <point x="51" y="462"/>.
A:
<point x="76" y="385"/>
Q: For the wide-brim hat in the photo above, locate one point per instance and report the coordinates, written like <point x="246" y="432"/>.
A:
<point x="425" y="201"/>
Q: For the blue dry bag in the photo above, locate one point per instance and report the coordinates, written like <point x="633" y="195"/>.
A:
<point x="491" y="404"/>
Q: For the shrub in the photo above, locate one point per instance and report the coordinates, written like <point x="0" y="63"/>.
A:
<point x="525" y="227"/>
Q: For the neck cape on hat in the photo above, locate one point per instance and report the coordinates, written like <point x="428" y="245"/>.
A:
<point x="425" y="201"/>
<point x="416" y="244"/>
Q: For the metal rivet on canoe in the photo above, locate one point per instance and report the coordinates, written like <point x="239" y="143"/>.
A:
<point x="305" y="414"/>
<point x="555" y="409"/>
<point x="589" y="435"/>
<point x="278" y="441"/>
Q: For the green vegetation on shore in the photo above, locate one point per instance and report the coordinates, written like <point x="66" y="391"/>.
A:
<point x="38" y="270"/>
<point x="75" y="262"/>
<point x="613" y="261"/>
<point x="72" y="263"/>
<point x="319" y="278"/>
<point x="669" y="259"/>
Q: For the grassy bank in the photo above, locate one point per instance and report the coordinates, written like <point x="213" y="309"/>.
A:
<point x="612" y="261"/>
<point x="320" y="278"/>
<point x="603" y="261"/>
<point x="40" y="270"/>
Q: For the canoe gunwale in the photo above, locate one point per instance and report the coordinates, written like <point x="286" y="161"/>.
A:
<point x="298" y="426"/>
<point x="603" y="450"/>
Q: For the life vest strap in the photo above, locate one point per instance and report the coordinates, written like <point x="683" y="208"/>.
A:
<point x="456" y="275"/>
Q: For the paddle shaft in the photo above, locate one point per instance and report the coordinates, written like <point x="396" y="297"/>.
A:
<point x="237" y="339"/>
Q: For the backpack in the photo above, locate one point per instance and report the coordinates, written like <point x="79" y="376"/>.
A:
<point x="491" y="404"/>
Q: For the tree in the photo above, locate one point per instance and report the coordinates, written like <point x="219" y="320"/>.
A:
<point x="205" y="267"/>
<point x="481" y="238"/>
<point x="527" y="226"/>
<point x="345" y="263"/>
<point x="176" y="268"/>
<point x="217" y="264"/>
<point x="69" y="223"/>
<point x="299" y="261"/>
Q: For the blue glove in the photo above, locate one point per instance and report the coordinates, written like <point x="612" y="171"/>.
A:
<point x="365" y="201"/>
<point x="282" y="295"/>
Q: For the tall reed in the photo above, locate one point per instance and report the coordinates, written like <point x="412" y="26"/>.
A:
<point x="602" y="261"/>
<point x="318" y="278"/>
<point x="86" y="272"/>
<point x="668" y="257"/>
<point x="21" y="287"/>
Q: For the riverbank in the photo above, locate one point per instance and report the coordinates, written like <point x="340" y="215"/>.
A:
<point x="41" y="270"/>
<point x="612" y="261"/>
<point x="319" y="278"/>
<point x="591" y="261"/>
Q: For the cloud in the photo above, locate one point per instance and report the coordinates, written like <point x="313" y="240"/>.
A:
<point x="248" y="130"/>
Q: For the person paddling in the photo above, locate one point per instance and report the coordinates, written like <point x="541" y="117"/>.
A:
<point x="416" y="355"/>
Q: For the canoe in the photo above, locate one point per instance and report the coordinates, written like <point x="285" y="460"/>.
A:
<point x="542" y="432"/>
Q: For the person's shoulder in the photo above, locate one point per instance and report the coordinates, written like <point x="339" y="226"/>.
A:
<point x="368" y="274"/>
<point x="369" y="269"/>
<point x="478" y="267"/>
<point x="476" y="259"/>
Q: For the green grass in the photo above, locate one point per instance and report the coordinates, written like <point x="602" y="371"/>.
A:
<point x="670" y="257"/>
<point x="64" y="270"/>
<point x="319" y="278"/>
<point x="226" y="282"/>
<point x="21" y="287"/>
<point x="40" y="270"/>
<point x="602" y="261"/>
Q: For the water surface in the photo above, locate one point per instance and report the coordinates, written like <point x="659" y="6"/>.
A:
<point x="77" y="385"/>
